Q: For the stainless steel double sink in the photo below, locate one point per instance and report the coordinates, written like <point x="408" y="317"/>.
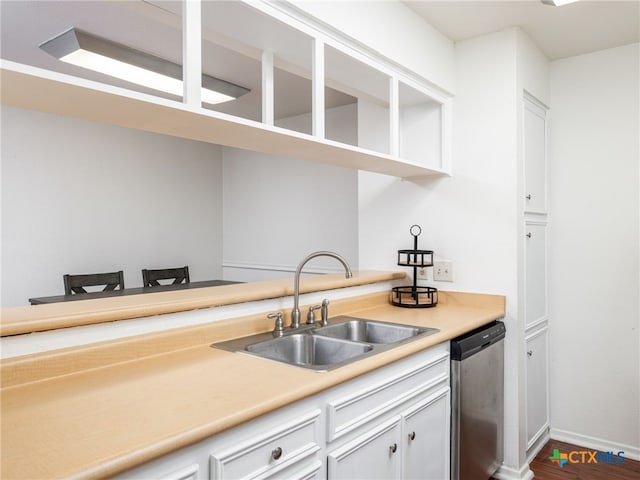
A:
<point x="345" y="340"/>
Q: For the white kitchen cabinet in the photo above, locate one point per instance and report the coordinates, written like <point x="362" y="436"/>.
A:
<point x="413" y="445"/>
<point x="537" y="376"/>
<point x="359" y="429"/>
<point x="535" y="272"/>
<point x="535" y="157"/>
<point x="533" y="275"/>
<point x="397" y="426"/>
<point x="425" y="438"/>
<point x="283" y="444"/>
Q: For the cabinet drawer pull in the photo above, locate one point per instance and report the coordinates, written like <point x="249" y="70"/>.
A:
<point x="530" y="353"/>
<point x="528" y="197"/>
<point x="529" y="235"/>
<point x="393" y="448"/>
<point x="412" y="436"/>
<point x="277" y="453"/>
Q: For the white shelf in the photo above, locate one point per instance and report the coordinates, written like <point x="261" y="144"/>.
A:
<point x="43" y="90"/>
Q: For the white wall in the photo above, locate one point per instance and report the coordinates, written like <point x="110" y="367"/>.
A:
<point x="533" y="68"/>
<point x="470" y="218"/>
<point x="594" y="243"/>
<point x="81" y="197"/>
<point x="465" y="218"/>
<point x="278" y="210"/>
<point x="395" y="31"/>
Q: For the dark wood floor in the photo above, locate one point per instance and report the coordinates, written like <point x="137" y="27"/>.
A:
<point x="544" y="469"/>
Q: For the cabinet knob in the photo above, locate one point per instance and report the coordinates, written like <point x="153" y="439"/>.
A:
<point x="530" y="353"/>
<point x="393" y="448"/>
<point x="277" y="453"/>
<point x="412" y="436"/>
<point x="528" y="197"/>
<point x="529" y="235"/>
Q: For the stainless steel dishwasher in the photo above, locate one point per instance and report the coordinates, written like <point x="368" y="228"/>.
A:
<point x="477" y="402"/>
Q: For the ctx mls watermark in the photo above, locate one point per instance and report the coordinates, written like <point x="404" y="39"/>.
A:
<point x="585" y="456"/>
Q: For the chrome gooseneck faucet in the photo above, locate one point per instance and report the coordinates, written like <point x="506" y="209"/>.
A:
<point x="295" y="313"/>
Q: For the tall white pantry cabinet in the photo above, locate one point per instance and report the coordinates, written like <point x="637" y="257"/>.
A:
<point x="536" y="328"/>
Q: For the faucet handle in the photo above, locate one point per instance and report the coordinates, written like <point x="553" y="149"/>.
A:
<point x="278" y="329"/>
<point x="325" y="312"/>
<point x="311" y="316"/>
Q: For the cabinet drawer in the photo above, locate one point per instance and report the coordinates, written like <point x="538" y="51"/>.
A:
<point x="347" y="413"/>
<point x="270" y="453"/>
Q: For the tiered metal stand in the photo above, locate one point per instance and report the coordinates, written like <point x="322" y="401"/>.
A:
<point x="414" y="296"/>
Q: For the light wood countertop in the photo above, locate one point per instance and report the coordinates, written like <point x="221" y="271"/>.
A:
<point x="106" y="408"/>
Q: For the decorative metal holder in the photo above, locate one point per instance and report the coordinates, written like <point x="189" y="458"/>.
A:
<point x="414" y="296"/>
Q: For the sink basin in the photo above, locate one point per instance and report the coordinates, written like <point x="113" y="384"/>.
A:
<point x="309" y="350"/>
<point x="345" y="340"/>
<point x="371" y="331"/>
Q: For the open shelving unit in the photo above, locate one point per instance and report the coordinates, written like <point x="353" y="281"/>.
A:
<point x="403" y="123"/>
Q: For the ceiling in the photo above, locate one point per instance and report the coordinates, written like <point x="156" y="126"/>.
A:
<point x="560" y="32"/>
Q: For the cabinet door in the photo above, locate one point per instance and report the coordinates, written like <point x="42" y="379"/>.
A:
<point x="535" y="272"/>
<point x="537" y="373"/>
<point x="426" y="438"/>
<point x="374" y="455"/>
<point x="535" y="158"/>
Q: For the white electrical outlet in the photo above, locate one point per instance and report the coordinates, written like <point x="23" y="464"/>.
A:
<point x="443" y="271"/>
<point x="422" y="273"/>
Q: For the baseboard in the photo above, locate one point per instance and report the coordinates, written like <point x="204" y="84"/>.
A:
<point x="508" y="473"/>
<point x="537" y="445"/>
<point x="595" y="443"/>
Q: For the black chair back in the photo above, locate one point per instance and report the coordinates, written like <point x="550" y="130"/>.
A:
<point x="178" y="275"/>
<point x="76" y="283"/>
